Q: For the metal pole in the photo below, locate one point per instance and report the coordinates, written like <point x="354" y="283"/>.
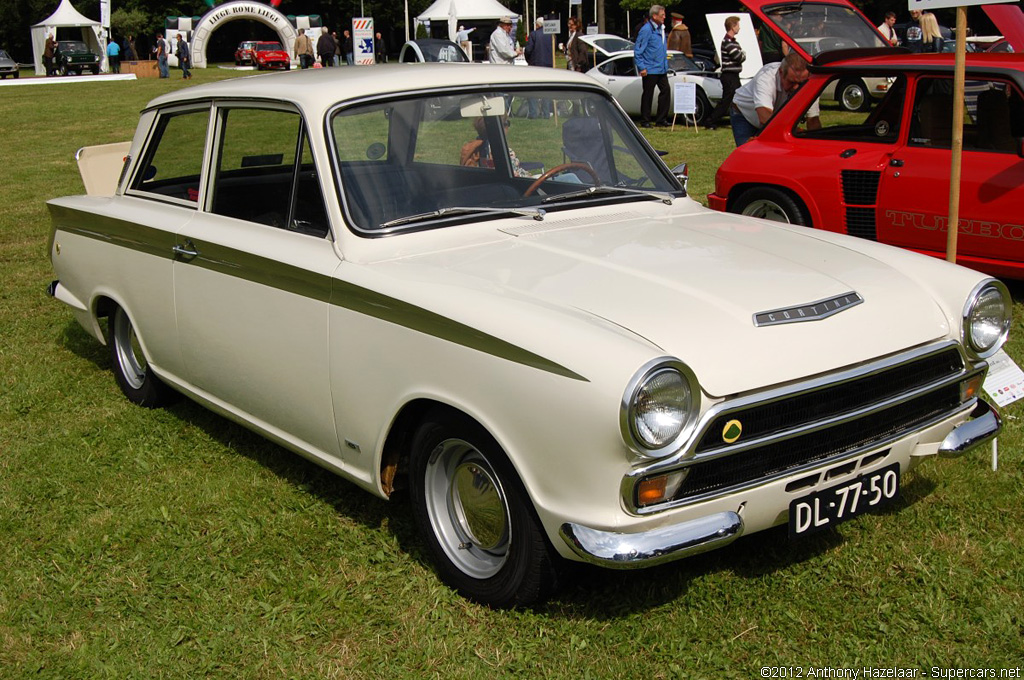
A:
<point x="406" y="20"/>
<point x="953" y="226"/>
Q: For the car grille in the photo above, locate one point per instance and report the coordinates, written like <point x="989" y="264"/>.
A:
<point x="823" y="423"/>
<point x="860" y="193"/>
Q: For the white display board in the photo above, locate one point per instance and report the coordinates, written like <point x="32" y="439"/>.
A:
<point x="684" y="99"/>
<point x="552" y="27"/>
<point x="746" y="38"/>
<point x="1005" y="381"/>
<point x="362" y="41"/>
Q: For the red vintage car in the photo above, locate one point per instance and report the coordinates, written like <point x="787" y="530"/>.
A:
<point x="244" y="53"/>
<point x="270" y="55"/>
<point x="884" y="174"/>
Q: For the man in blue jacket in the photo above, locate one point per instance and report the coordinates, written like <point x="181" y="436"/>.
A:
<point x="651" y="60"/>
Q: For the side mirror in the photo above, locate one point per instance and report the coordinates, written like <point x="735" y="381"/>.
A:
<point x="682" y="173"/>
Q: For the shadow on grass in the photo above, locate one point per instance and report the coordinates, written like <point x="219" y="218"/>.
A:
<point x="589" y="592"/>
<point x="77" y="341"/>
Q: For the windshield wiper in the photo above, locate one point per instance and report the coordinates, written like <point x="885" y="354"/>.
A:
<point x="535" y="213"/>
<point x="662" y="196"/>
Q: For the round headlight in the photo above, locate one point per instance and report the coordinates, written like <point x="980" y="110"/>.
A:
<point x="658" y="406"/>
<point x="987" y="318"/>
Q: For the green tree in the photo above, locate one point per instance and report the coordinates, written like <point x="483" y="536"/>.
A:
<point x="134" y="22"/>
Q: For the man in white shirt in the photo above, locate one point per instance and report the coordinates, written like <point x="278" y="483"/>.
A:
<point x="886" y="28"/>
<point x="774" y="84"/>
<point x="503" y="48"/>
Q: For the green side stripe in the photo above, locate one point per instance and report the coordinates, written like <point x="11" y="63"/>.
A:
<point x="304" y="283"/>
<point x="401" y="313"/>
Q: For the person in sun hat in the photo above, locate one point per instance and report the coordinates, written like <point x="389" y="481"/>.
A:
<point x="503" y="49"/>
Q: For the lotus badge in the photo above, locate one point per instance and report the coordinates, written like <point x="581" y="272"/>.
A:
<point x="732" y="431"/>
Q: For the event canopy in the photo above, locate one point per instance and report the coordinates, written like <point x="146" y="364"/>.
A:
<point x="67" y="16"/>
<point x="454" y="11"/>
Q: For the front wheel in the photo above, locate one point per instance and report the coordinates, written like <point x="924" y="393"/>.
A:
<point x="131" y="370"/>
<point x="703" y="107"/>
<point x="475" y="516"/>
<point x="770" y="204"/>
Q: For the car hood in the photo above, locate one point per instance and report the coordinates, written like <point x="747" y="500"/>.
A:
<point x="691" y="284"/>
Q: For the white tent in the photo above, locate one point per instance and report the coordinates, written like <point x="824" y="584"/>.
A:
<point x="454" y="11"/>
<point x="67" y="16"/>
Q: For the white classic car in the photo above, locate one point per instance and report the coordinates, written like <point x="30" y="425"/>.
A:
<point x="558" y="354"/>
<point x="618" y="73"/>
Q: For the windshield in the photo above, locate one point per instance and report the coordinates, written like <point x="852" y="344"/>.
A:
<point x="269" y="47"/>
<point x="428" y="161"/>
<point x="824" y="27"/>
<point x="441" y="51"/>
<point x="72" y="46"/>
<point x="680" y="63"/>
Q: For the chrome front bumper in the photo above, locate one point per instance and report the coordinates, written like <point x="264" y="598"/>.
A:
<point x="645" y="549"/>
<point x="984" y="426"/>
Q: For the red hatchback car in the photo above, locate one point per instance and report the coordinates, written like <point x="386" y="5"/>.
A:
<point x="270" y="55"/>
<point x="884" y="174"/>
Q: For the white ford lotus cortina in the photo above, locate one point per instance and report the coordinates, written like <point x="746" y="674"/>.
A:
<point x="524" y="322"/>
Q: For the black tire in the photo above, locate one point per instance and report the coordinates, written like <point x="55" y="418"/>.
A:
<point x="703" y="107"/>
<point x="852" y="95"/>
<point x="475" y="517"/>
<point x="770" y="203"/>
<point x="96" y="71"/>
<point x="131" y="370"/>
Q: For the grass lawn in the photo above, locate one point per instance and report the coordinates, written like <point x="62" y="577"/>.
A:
<point x="172" y="543"/>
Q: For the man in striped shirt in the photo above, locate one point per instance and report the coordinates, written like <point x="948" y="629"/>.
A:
<point x="733" y="57"/>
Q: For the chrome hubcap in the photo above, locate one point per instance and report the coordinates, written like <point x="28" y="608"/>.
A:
<point x="767" y="210"/>
<point x="467" y="508"/>
<point x="129" y="351"/>
<point x="853" y="97"/>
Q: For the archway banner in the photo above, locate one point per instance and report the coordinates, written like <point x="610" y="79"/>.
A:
<point x="232" y="11"/>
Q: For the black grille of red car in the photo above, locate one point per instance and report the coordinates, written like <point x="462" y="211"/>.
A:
<point x="860" y="192"/>
<point x="834" y="419"/>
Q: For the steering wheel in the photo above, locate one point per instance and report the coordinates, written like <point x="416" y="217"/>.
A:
<point x="561" y="168"/>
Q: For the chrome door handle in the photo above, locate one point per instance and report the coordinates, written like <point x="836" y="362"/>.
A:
<point x="187" y="250"/>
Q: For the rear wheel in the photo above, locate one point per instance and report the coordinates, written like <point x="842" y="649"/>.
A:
<point x="131" y="370"/>
<point x="770" y="203"/>
<point x="852" y="95"/>
<point x="475" y="516"/>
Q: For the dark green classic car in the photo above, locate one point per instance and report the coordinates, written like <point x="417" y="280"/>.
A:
<point x="73" y="56"/>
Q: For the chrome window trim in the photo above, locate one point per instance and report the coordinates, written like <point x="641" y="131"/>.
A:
<point x="629" y="394"/>
<point x="159" y="114"/>
<point x="686" y="455"/>
<point x="972" y="299"/>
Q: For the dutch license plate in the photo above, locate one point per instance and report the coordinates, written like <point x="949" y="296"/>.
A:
<point x="822" y="509"/>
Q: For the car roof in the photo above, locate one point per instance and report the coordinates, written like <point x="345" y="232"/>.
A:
<point x="319" y="89"/>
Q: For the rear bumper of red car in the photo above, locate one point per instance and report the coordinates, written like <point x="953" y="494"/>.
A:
<point x="716" y="202"/>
